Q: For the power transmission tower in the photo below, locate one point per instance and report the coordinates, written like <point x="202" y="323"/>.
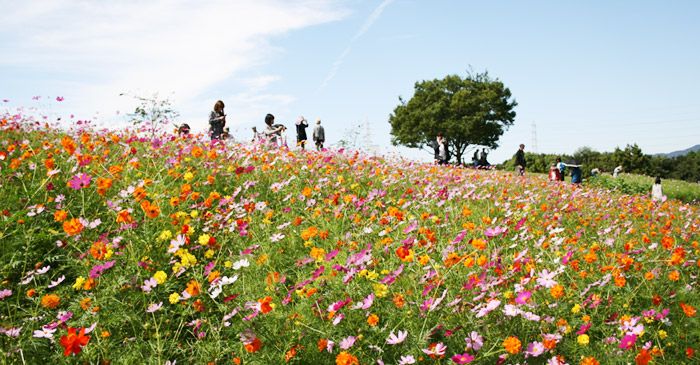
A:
<point x="534" y="137"/>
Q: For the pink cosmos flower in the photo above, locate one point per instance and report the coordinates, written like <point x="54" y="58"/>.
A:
<point x="406" y="360"/>
<point x="347" y="342"/>
<point x="438" y="350"/>
<point x="495" y="231"/>
<point x="59" y="98"/>
<point x="154" y="307"/>
<point x="627" y="342"/>
<point x="534" y="349"/>
<point x="5" y="293"/>
<point x="474" y="341"/>
<point x="80" y="181"/>
<point x="464" y="358"/>
<point x="396" y="339"/>
<point x="523" y="297"/>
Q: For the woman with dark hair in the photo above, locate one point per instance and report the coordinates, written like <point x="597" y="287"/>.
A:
<point x="273" y="132"/>
<point x="301" y="132"/>
<point x="217" y="120"/>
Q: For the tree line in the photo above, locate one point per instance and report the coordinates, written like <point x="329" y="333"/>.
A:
<point x="631" y="158"/>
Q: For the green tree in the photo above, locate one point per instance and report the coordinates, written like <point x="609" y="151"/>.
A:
<point x="155" y="113"/>
<point x="474" y="110"/>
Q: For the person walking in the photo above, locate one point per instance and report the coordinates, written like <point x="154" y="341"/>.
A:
<point x="520" y="162"/>
<point x="217" y="120"/>
<point x="301" y="125"/>
<point x="319" y="135"/>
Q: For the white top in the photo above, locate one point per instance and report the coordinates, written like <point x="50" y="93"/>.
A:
<point x="656" y="193"/>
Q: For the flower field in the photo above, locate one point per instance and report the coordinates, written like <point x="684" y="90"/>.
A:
<point x="129" y="249"/>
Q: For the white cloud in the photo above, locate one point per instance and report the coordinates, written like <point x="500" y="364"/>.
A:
<point x="98" y="49"/>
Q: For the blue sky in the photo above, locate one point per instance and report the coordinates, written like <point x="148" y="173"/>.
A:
<point x="599" y="73"/>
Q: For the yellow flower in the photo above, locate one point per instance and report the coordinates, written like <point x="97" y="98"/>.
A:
<point x="576" y="309"/>
<point x="160" y="277"/>
<point x="662" y="334"/>
<point x="582" y="339"/>
<point x="165" y="235"/>
<point x="194" y="214"/>
<point x="209" y="253"/>
<point x="380" y="290"/>
<point x="228" y="264"/>
<point x="79" y="283"/>
<point x="203" y="239"/>
<point x="174" y="298"/>
<point x="188" y="176"/>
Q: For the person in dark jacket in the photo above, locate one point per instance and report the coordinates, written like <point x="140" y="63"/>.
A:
<point x="520" y="162"/>
<point x="442" y="153"/>
<point x="301" y="125"/>
<point x="217" y="120"/>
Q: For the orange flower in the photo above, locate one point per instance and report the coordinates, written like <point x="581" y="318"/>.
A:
<point x="98" y="250"/>
<point x="688" y="309"/>
<point x="74" y="341"/>
<point x="150" y="209"/>
<point x="321" y="344"/>
<point x="50" y="301"/>
<point x="398" y="300"/>
<point x="643" y="357"/>
<point x="372" y="320"/>
<point x="60" y="215"/>
<point x="253" y="346"/>
<point x="265" y="305"/>
<point x="72" y="227"/>
<point x="85" y="303"/>
<point x="512" y="345"/>
<point x="344" y="358"/>
<point x="557" y="291"/>
<point x="309" y="233"/>
<point x="589" y="360"/>
<point x="68" y="144"/>
<point x="103" y="184"/>
<point x="674" y="276"/>
<point x="124" y="217"/>
<point x="193" y="288"/>
<point x="478" y="244"/>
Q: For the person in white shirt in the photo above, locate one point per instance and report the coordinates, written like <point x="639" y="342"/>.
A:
<point x="656" y="192"/>
<point x="617" y="171"/>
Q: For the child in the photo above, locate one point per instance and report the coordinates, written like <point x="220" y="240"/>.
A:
<point x="554" y="174"/>
<point x="656" y="193"/>
<point x="562" y="168"/>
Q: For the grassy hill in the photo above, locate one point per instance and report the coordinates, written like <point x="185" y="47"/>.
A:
<point x="122" y="248"/>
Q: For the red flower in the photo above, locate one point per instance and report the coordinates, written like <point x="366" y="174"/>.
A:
<point x="73" y="342"/>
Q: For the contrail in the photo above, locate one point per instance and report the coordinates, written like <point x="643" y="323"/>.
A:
<point x="365" y="27"/>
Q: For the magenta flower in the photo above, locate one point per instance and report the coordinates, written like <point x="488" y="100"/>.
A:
<point x="523" y="297"/>
<point x="627" y="342"/>
<point x="59" y="98"/>
<point x="80" y="181"/>
<point x="464" y="358"/>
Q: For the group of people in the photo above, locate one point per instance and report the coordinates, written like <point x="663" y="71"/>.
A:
<point x="557" y="170"/>
<point x="273" y="134"/>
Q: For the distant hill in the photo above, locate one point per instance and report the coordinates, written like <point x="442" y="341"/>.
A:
<point x="682" y="152"/>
